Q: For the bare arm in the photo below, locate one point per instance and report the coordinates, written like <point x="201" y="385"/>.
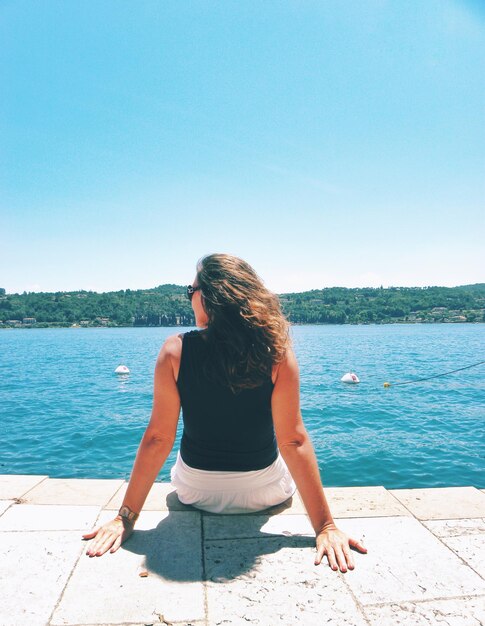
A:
<point x="158" y="439"/>
<point x="297" y="451"/>
<point x="154" y="448"/>
<point x="295" y="445"/>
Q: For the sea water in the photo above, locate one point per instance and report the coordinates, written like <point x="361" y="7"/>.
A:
<point x="65" y="413"/>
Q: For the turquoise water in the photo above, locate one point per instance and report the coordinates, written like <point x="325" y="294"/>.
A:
<point x="65" y="413"/>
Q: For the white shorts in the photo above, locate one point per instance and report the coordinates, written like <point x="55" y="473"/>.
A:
<point x="233" y="492"/>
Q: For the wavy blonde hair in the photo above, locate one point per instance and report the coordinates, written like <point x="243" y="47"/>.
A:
<point x="247" y="331"/>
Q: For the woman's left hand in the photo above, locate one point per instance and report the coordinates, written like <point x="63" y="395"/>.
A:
<point x="335" y="544"/>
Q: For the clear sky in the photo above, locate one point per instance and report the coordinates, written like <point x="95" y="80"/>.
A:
<point x="328" y="143"/>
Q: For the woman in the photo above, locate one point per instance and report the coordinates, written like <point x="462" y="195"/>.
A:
<point x="244" y="445"/>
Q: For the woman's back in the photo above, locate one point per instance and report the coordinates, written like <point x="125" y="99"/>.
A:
<point x="223" y="431"/>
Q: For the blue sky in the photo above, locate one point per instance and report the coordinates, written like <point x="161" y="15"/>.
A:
<point x="328" y="143"/>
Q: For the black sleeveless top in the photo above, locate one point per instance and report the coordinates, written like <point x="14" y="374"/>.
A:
<point x="222" y="431"/>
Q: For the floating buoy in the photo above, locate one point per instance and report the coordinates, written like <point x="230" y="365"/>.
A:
<point x="122" y="369"/>
<point x="350" y="378"/>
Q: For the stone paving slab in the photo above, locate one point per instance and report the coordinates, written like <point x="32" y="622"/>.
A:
<point x="363" y="502"/>
<point x="442" y="502"/>
<point x="262" y="524"/>
<point x="15" y="486"/>
<point x="405" y="562"/>
<point x="161" y="497"/>
<point x="456" y="528"/>
<point x="274" y="581"/>
<point x="466" y="537"/>
<point x="35" y="567"/>
<point x="470" y="548"/>
<point x="26" y="517"/>
<point x="256" y="526"/>
<point x="467" y="611"/>
<point x="73" y="491"/>
<point x="4" y="505"/>
<point x="168" y="547"/>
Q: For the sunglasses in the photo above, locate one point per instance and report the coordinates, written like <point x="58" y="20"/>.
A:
<point x="191" y="290"/>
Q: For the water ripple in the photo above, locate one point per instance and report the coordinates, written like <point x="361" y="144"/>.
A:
<point x="66" y="414"/>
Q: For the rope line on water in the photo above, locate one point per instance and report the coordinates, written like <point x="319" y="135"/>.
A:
<point x="418" y="380"/>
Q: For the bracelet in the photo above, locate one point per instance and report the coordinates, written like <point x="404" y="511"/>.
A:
<point x="127" y="514"/>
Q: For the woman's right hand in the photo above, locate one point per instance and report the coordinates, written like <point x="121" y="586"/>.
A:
<point x="110" y="536"/>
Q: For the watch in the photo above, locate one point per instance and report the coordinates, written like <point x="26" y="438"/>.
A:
<point x="126" y="513"/>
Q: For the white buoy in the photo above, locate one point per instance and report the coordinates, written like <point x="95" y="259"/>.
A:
<point x="122" y="369"/>
<point x="350" y="378"/>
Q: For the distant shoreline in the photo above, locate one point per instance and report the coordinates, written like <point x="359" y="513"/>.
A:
<point x="168" y="306"/>
<point x="397" y="323"/>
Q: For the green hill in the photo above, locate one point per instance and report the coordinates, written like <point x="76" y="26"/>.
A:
<point x="167" y="305"/>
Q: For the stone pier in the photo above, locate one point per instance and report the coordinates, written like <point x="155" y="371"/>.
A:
<point x="425" y="563"/>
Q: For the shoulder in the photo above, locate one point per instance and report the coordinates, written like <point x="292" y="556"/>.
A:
<point x="287" y="367"/>
<point x="171" y="349"/>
